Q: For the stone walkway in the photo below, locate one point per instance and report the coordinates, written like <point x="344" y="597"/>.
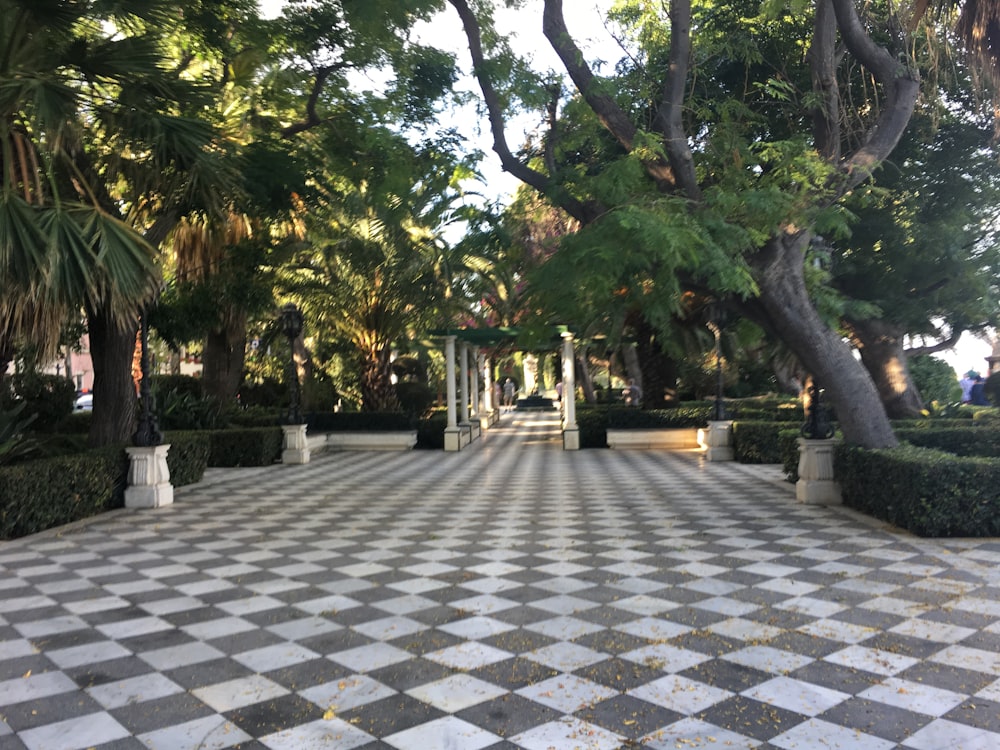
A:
<point x="512" y="595"/>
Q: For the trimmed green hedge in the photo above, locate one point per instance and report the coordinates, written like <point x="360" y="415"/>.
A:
<point x="359" y="421"/>
<point x="759" y="442"/>
<point x="187" y="458"/>
<point x="682" y="416"/>
<point x="962" y="441"/>
<point x="593" y="425"/>
<point x="430" y="432"/>
<point x="42" y="494"/>
<point x="248" y="446"/>
<point x="928" y="492"/>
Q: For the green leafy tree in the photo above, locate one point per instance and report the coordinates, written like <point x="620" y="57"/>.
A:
<point x="741" y="150"/>
<point x="935" y="379"/>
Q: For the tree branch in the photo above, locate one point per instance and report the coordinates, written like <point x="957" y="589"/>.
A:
<point x="604" y="106"/>
<point x="669" y="115"/>
<point x="312" y="119"/>
<point x="901" y="83"/>
<point x="948" y="343"/>
<point x="823" y="64"/>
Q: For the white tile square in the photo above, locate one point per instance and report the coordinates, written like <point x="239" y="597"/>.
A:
<point x="941" y="734"/>
<point x="276" y="656"/>
<point x="210" y="733"/>
<point x="653" y="628"/>
<point x="323" y="734"/>
<point x="680" y="694"/>
<point x="566" y="657"/>
<point x="350" y="692"/>
<point x="564" y="628"/>
<point x="871" y="660"/>
<point x="218" y="628"/>
<point x="327" y="604"/>
<point x="244" y="691"/>
<point x="563" y="604"/>
<point x="476" y="628"/>
<point x="404" y="605"/>
<point x="567" y="693"/>
<point x="744" y="630"/>
<point x="139" y="689"/>
<point x="304" y="627"/>
<point x="768" y="659"/>
<point x="835" y="630"/>
<point x="806" y="605"/>
<point x="75" y="733"/>
<point x="913" y="696"/>
<point x="34" y="687"/>
<point x="468" y="655"/>
<point x="483" y="605"/>
<point x="456" y="692"/>
<point x="796" y="695"/>
<point x="816" y="733"/>
<point x="389" y="628"/>
<point x="447" y="732"/>
<point x="76" y="656"/>
<point x="566" y="735"/>
<point x="666" y="657"/>
<point x="642" y="604"/>
<point x="694" y="734"/>
<point x="370" y="657"/>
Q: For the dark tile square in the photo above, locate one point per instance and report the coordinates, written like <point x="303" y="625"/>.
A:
<point x="868" y="618"/>
<point x="11" y="669"/>
<point x="207" y="673"/>
<point x="508" y="715"/>
<point x="35" y="713"/>
<point x="628" y="716"/>
<point x="391" y="715"/>
<point x="879" y="719"/>
<point x="248" y="640"/>
<point x="335" y="641"/>
<point x="68" y="640"/>
<point x="308" y="674"/>
<point x="918" y="648"/>
<point x="148" y="716"/>
<point x="693" y="617"/>
<point x="518" y="641"/>
<point x="89" y="675"/>
<point x="159" y="639"/>
<point x="727" y="675"/>
<point x="411" y="673"/>
<point x="619" y="674"/>
<point x="611" y="641"/>
<point x="609" y="617"/>
<point x="706" y="643"/>
<point x="425" y="641"/>
<point x="514" y="673"/>
<point x="977" y="712"/>
<point x="752" y="718"/>
<point x="805" y="644"/>
<point x="274" y="715"/>
<point x="439" y="615"/>
<point x="947" y="677"/>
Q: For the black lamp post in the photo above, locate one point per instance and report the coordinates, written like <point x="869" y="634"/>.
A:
<point x="715" y="324"/>
<point x="817" y="426"/>
<point x="147" y="433"/>
<point x="292" y="321"/>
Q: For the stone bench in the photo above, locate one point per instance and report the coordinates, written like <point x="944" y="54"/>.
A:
<point x="673" y="438"/>
<point x="363" y="441"/>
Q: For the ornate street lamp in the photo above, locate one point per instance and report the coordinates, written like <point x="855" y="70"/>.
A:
<point x="818" y="425"/>
<point x="147" y="433"/>
<point x="717" y="319"/>
<point x="292" y="320"/>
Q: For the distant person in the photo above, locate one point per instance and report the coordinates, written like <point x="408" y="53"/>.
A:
<point x="967" y="382"/>
<point x="559" y="390"/>
<point x="509" y="389"/>
<point x="978" y="392"/>
<point x="632" y="393"/>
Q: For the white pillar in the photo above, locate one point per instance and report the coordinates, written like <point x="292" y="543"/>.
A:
<point x="816" y="484"/>
<point x="478" y="363"/>
<point x="571" y="433"/>
<point x="717" y="440"/>
<point x="452" y="433"/>
<point x="463" y="383"/>
<point x="475" y="426"/>
<point x="148" y="477"/>
<point x="489" y="408"/>
<point x="296" y="445"/>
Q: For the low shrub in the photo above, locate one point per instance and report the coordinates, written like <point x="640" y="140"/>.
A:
<point x="781" y="413"/>
<point x="50" y="492"/>
<point x="415" y="398"/>
<point x="254" y="416"/>
<point x="359" y="421"/>
<point x="187" y="458"/>
<point x="962" y="441"/>
<point x="248" y="446"/>
<point x="683" y="416"/>
<point x="430" y="432"/>
<point x="49" y="397"/>
<point x="187" y="384"/>
<point x="269" y="393"/>
<point x="788" y="445"/>
<point x="928" y="492"/>
<point x="758" y="442"/>
<point x="593" y="426"/>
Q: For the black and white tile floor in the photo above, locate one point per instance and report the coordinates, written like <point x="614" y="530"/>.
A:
<point x="512" y="595"/>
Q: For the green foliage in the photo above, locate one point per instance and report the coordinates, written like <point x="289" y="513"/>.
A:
<point x="682" y="416"/>
<point x="415" y="398"/>
<point x="14" y="444"/>
<point x="430" y="432"/>
<point x="962" y="441"/>
<point x="181" y="384"/>
<point x="593" y="425"/>
<point x="50" y="397"/>
<point x="260" y="446"/>
<point x="930" y="493"/>
<point x="758" y="442"/>
<point x="269" y="393"/>
<point x="935" y="379"/>
<point x="992" y="388"/>
<point x="182" y="411"/>
<point x="50" y="492"/>
<point x="789" y="445"/>
<point x="187" y="457"/>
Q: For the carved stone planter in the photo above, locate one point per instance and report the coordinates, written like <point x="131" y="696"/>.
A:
<point x="296" y="444"/>
<point x="148" y="477"/>
<point x="816" y="484"/>
<point x="717" y="440"/>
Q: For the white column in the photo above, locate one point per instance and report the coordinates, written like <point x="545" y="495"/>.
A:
<point x="452" y="433"/>
<point x="478" y="363"/>
<point x="489" y="408"/>
<point x="571" y="433"/>
<point x="463" y="383"/>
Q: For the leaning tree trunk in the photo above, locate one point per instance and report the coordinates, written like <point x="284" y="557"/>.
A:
<point x="223" y="358"/>
<point x="883" y="355"/>
<point x="583" y="378"/>
<point x="112" y="347"/>
<point x="778" y="269"/>
<point x="377" y="390"/>
<point x="659" y="371"/>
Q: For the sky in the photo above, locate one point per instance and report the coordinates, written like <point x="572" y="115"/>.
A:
<point x="585" y="20"/>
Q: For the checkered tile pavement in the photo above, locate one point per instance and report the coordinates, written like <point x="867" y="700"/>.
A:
<point x="512" y="595"/>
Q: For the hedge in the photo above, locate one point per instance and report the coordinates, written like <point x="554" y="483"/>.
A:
<point x="759" y="442"/>
<point x="187" y="458"/>
<point x="359" y="421"/>
<point x="50" y="492"/>
<point x="927" y="492"/>
<point x="248" y="446"/>
<point x="965" y="441"/>
<point x="683" y="416"/>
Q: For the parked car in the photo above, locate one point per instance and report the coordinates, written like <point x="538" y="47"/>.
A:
<point x="84" y="402"/>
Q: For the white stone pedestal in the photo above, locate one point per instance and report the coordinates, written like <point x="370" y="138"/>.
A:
<point x="296" y="445"/>
<point x="816" y="484"/>
<point x="571" y="440"/>
<point x="453" y="438"/>
<point x="148" y="477"/>
<point x="717" y="440"/>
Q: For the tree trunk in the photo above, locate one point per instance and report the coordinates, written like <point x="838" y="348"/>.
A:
<point x="882" y="354"/>
<point x="112" y="347"/>
<point x="223" y="358"/>
<point x="583" y="378"/>
<point x="659" y="371"/>
<point x="778" y="269"/>
<point x="377" y="390"/>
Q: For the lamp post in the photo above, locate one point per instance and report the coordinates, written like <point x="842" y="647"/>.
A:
<point x="147" y="433"/>
<point x="292" y="320"/>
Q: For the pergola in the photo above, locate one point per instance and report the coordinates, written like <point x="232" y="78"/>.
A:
<point x="468" y="415"/>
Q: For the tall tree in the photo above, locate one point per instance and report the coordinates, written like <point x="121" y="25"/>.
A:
<point x="721" y="169"/>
